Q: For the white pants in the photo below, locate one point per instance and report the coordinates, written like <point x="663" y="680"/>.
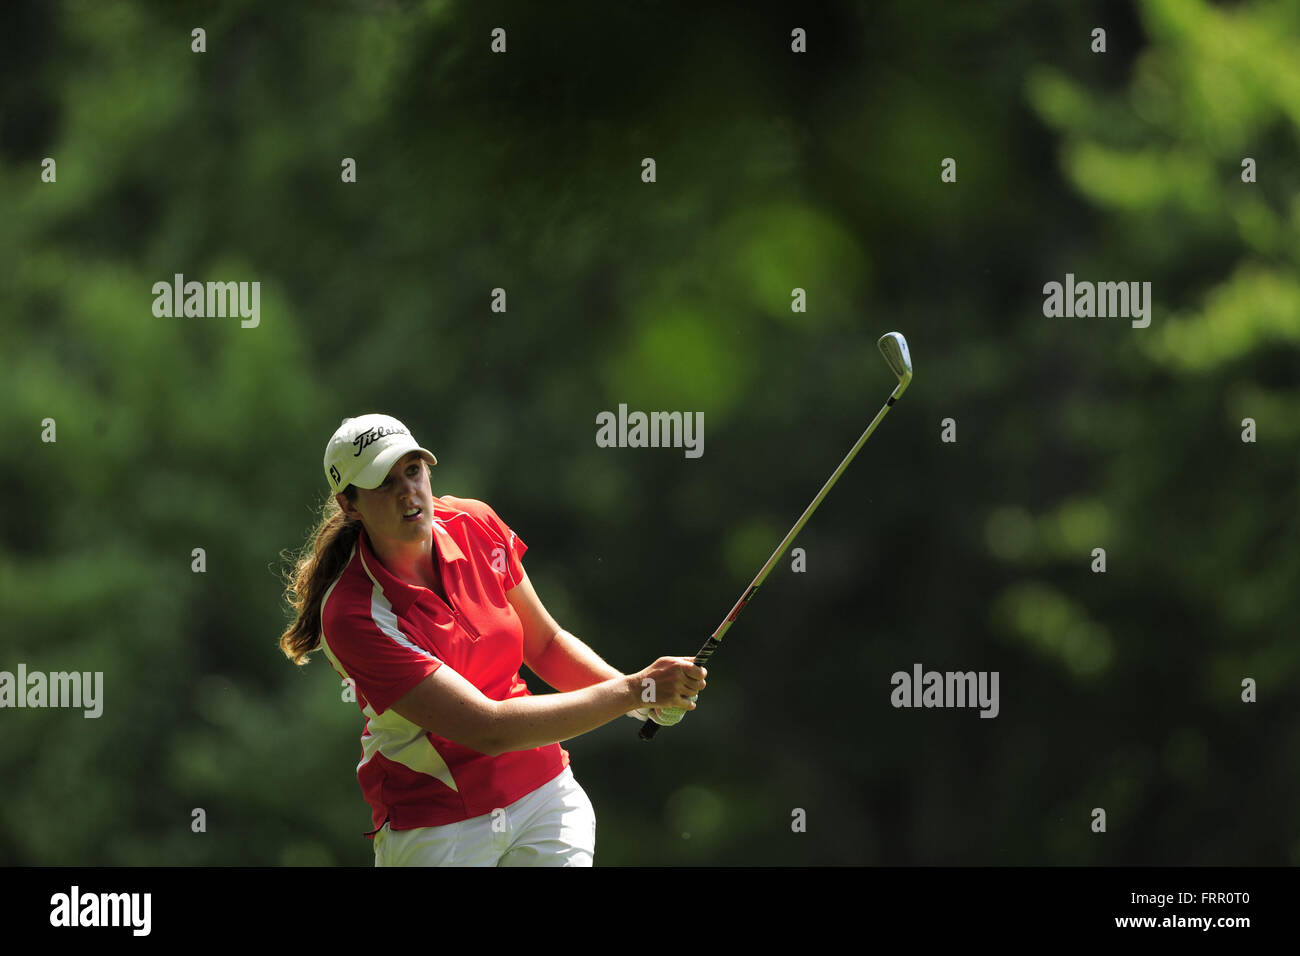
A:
<point x="555" y="825"/>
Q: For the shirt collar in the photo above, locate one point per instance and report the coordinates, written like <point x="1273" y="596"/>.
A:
<point x="448" y="549"/>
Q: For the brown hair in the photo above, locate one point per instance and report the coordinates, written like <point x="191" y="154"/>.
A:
<point x="316" y="567"/>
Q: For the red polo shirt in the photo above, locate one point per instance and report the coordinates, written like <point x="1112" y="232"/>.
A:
<point x="387" y="636"/>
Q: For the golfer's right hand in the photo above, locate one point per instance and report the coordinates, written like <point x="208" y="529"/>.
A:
<point x="671" y="683"/>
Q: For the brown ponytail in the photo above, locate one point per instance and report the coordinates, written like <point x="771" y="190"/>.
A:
<point x="316" y="567"/>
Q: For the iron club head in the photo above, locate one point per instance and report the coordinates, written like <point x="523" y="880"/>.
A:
<point x="894" y="348"/>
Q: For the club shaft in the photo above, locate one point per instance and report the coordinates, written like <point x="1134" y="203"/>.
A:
<point x="649" y="728"/>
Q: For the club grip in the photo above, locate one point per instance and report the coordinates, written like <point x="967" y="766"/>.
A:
<point x="650" y="728"/>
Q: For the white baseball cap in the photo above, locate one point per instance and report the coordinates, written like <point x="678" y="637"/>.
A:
<point x="363" y="450"/>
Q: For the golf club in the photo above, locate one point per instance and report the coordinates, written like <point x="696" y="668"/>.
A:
<point x="893" y="347"/>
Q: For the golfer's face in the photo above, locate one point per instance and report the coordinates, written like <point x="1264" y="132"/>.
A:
<point x="405" y="490"/>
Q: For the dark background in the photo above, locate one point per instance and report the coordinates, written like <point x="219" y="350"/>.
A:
<point x="775" y="170"/>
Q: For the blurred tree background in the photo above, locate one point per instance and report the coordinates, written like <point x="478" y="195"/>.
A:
<point x="775" y="170"/>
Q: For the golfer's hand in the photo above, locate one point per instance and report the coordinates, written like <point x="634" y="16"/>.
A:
<point x="676" y="684"/>
<point x="671" y="683"/>
<point x="665" y="716"/>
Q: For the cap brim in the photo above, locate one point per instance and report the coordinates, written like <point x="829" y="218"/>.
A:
<point x="373" y="476"/>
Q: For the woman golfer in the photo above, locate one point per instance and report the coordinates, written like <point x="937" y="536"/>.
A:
<point x="423" y="605"/>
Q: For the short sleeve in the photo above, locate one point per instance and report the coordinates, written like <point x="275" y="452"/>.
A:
<point x="384" y="662"/>
<point x="512" y="545"/>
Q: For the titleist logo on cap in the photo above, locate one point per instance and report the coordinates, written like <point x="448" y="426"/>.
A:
<point x="373" y="435"/>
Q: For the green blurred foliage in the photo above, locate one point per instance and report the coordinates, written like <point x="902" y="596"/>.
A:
<point x="775" y="172"/>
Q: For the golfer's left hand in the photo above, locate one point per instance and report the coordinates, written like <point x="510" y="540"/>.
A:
<point x="665" y="716"/>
